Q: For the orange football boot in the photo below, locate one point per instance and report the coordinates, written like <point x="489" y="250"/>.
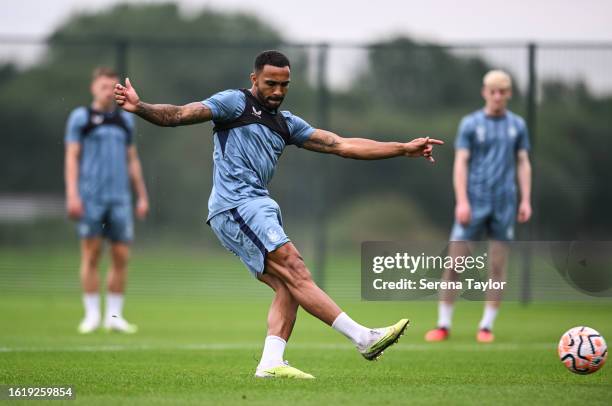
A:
<point x="485" y="336"/>
<point x="437" y="334"/>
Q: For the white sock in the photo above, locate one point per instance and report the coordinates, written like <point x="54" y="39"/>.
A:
<point x="445" y="314"/>
<point x="272" y="356"/>
<point x="91" y="303"/>
<point x="358" y="334"/>
<point x="488" y="317"/>
<point x="114" y="305"/>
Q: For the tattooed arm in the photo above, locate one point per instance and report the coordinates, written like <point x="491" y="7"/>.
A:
<point x="166" y="115"/>
<point x="362" y="148"/>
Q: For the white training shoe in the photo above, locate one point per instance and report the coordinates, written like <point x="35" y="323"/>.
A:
<point x="89" y="325"/>
<point x="119" y="324"/>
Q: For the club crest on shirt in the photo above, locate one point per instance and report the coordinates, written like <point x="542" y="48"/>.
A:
<point x="256" y="113"/>
<point x="273" y="235"/>
<point x="512" y="132"/>
<point x="480" y="133"/>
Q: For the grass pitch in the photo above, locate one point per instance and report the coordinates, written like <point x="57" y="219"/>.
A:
<point x="200" y="340"/>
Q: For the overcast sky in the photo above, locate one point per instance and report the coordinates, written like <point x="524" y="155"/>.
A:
<point x="358" y="20"/>
<point x="449" y="21"/>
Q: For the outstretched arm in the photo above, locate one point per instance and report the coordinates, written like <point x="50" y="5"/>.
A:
<point x="362" y="148"/>
<point x="166" y="115"/>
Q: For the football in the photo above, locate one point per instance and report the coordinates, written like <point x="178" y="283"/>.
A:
<point x="582" y="350"/>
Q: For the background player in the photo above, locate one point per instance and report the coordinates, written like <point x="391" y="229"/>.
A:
<point x="249" y="137"/>
<point x="491" y="155"/>
<point x="101" y="160"/>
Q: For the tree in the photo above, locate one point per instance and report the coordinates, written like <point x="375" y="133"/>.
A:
<point x="171" y="57"/>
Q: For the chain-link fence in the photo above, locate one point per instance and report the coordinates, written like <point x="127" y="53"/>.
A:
<point x="396" y="90"/>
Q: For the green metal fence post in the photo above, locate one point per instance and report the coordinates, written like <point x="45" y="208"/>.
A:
<point x="323" y="105"/>
<point x="527" y="256"/>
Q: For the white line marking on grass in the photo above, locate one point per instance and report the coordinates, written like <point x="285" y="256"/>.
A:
<point x="460" y="347"/>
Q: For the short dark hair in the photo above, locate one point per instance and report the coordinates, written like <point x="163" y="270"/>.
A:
<point x="103" y="71"/>
<point x="273" y="58"/>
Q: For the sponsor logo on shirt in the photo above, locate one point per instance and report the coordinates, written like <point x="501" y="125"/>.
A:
<point x="256" y="113"/>
<point x="512" y="132"/>
<point x="480" y="133"/>
<point x="97" y="119"/>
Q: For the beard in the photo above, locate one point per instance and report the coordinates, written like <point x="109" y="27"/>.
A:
<point x="270" y="102"/>
<point x="274" y="102"/>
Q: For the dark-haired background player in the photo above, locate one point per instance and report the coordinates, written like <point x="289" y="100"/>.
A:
<point x="249" y="136"/>
<point x="100" y="162"/>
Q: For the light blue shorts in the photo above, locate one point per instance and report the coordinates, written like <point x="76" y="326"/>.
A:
<point x="490" y="220"/>
<point x="109" y="220"/>
<point x="250" y="231"/>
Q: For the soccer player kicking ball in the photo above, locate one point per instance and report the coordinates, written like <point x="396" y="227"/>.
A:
<point x="250" y="134"/>
<point x="491" y="153"/>
<point x="101" y="160"/>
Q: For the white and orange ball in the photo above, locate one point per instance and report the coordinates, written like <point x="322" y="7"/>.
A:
<point x="582" y="350"/>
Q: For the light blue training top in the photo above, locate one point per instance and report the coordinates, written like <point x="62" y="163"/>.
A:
<point x="103" y="167"/>
<point x="493" y="143"/>
<point x="245" y="160"/>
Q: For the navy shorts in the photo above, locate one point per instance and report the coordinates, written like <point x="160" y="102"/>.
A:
<point x="109" y="220"/>
<point x="250" y="231"/>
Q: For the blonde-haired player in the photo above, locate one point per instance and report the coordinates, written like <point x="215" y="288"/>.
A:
<point x="492" y="147"/>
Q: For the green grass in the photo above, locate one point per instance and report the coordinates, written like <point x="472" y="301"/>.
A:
<point x="201" y="347"/>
